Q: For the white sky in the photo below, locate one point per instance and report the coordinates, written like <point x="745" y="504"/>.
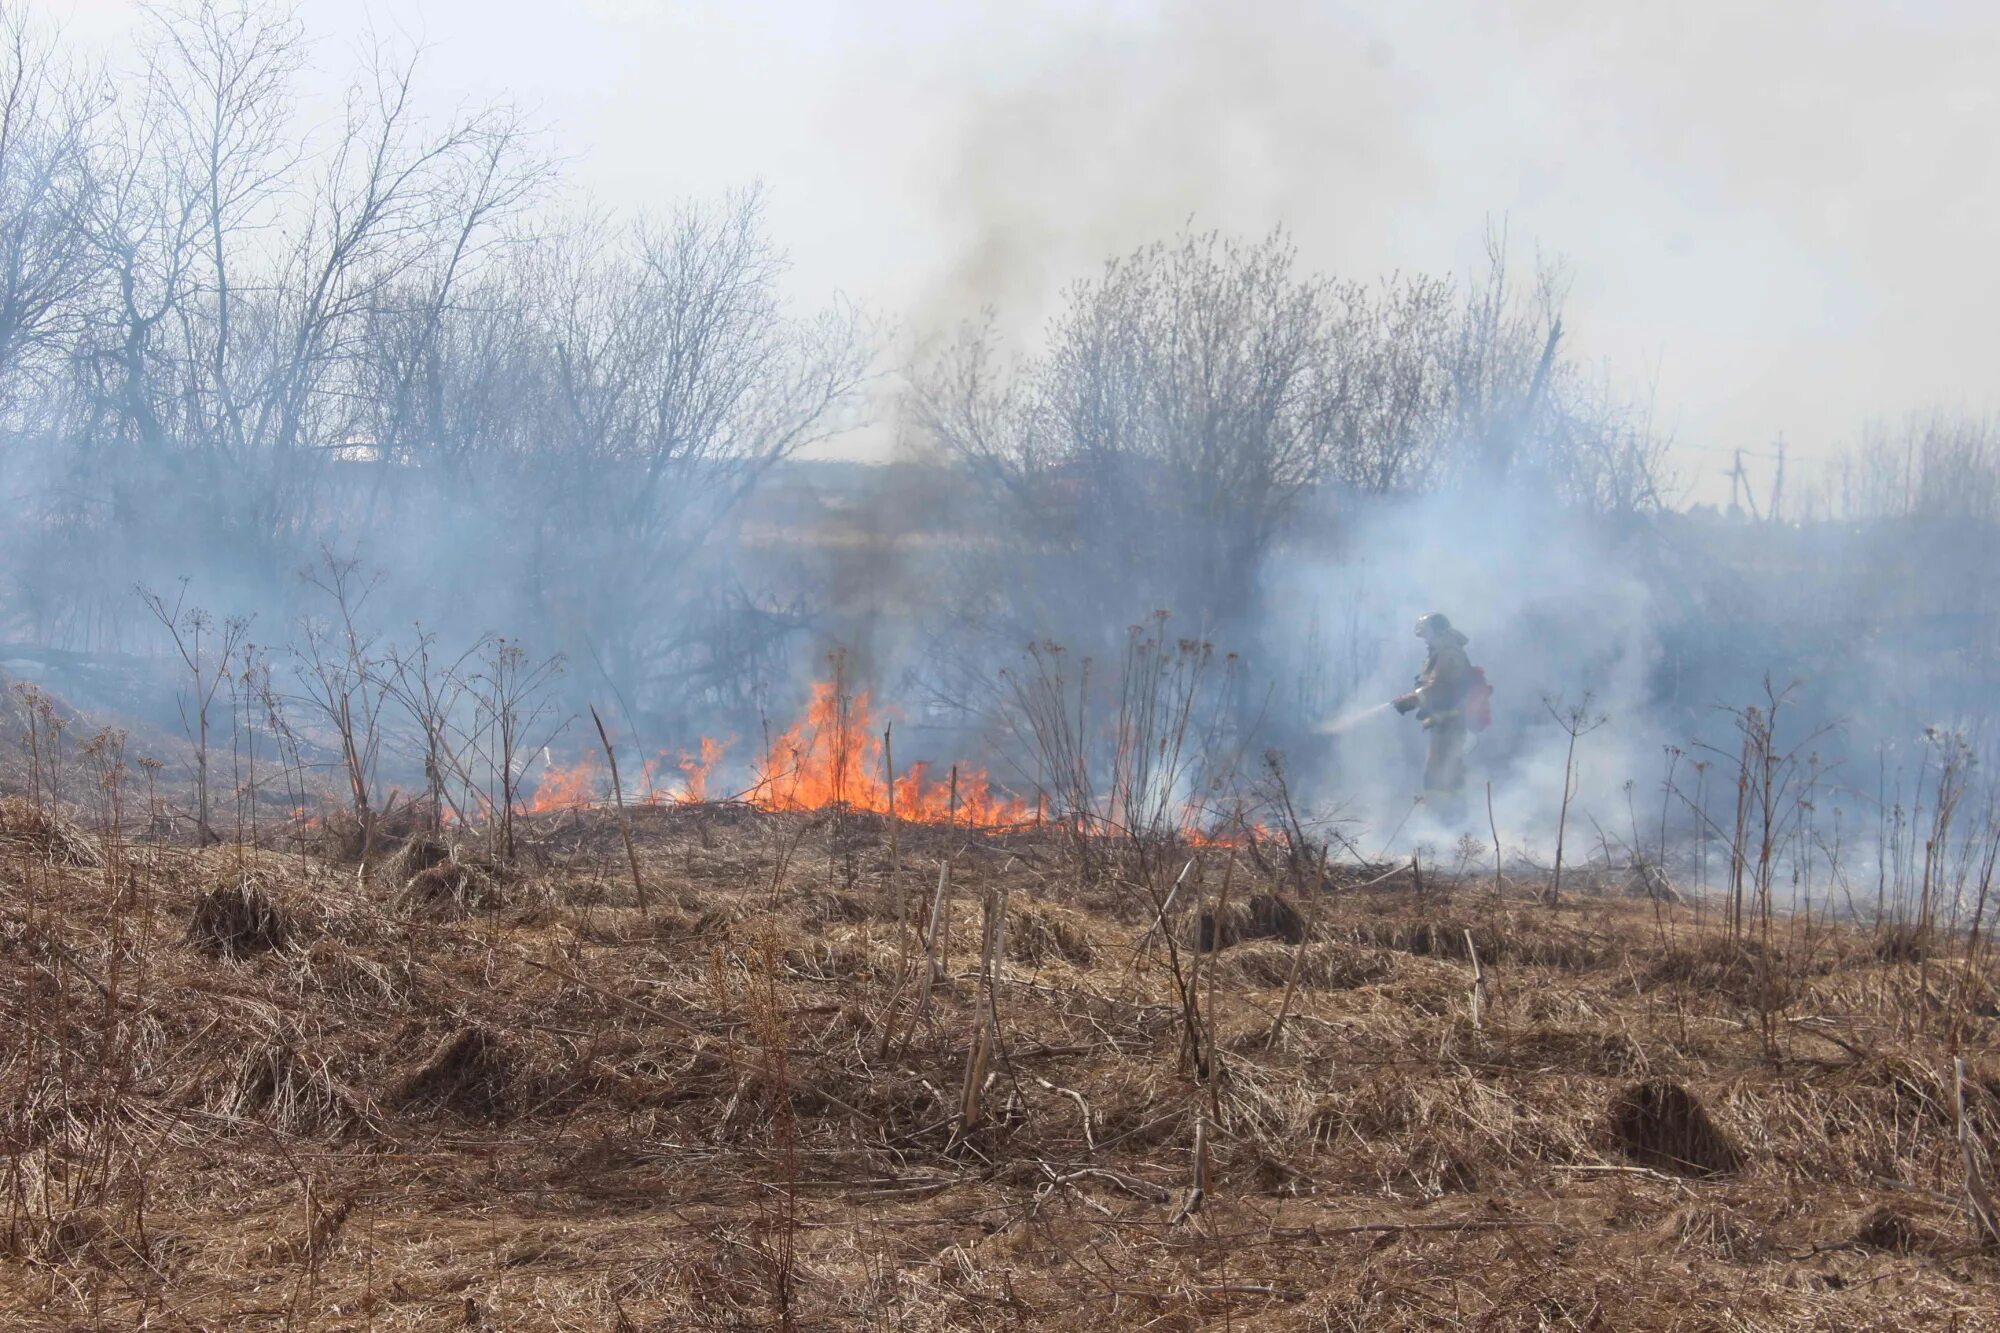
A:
<point x="1780" y="216"/>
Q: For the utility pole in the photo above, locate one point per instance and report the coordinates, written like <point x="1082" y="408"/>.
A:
<point x="1778" y="485"/>
<point x="1739" y="486"/>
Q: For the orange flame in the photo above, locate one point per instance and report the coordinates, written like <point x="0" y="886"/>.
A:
<point x="566" y="788"/>
<point x="695" y="771"/>
<point x="833" y="756"/>
<point x="1223" y="836"/>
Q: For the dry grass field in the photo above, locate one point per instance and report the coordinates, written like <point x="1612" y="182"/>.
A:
<point x="250" y="1088"/>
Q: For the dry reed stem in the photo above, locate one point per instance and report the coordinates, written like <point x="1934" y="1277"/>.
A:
<point x="1978" y="1194"/>
<point x="624" y="819"/>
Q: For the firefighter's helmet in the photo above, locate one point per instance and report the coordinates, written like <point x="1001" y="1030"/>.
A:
<point x="1433" y="625"/>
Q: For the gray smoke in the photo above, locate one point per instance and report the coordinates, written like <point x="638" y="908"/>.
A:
<point x="590" y="429"/>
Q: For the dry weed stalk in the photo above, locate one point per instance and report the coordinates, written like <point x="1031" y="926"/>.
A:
<point x="771" y="1027"/>
<point x="1577" y="722"/>
<point x="1479" y="1000"/>
<point x="1317" y="892"/>
<point x="511" y="719"/>
<point x="895" y="843"/>
<point x="1198" y="1173"/>
<point x="1143" y="768"/>
<point x="1494" y="825"/>
<point x="205" y="654"/>
<point x="624" y="817"/>
<point x="1211" y="1066"/>
<point x="933" y="963"/>
<point x="985" y="1037"/>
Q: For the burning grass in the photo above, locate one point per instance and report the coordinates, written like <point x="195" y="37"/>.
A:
<point x="836" y="755"/>
<point x="260" y="1091"/>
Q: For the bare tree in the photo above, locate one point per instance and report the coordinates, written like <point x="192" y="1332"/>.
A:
<point x="1937" y="466"/>
<point x="1186" y="399"/>
<point x="666" y="378"/>
<point x="1191" y="398"/>
<point x="254" y="266"/>
<point x="47" y="119"/>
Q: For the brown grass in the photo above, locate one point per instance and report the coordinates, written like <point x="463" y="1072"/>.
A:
<point x="251" y="1092"/>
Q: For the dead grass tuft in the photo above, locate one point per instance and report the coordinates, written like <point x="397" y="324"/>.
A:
<point x="237" y="919"/>
<point x="340" y="837"/>
<point x="469" y="1073"/>
<point x="1577" y="1050"/>
<point x="1327" y="966"/>
<point x="93" y="1238"/>
<point x="1661" y="1124"/>
<point x="1887" y="1227"/>
<point x="1436" y="1167"/>
<point x="1265" y="916"/>
<point x="1742" y="970"/>
<point x="47" y="836"/>
<point x="419" y="852"/>
<point x="715" y="919"/>
<point x="1520" y="943"/>
<point x="447" y="890"/>
<point x="1901" y="942"/>
<point x="331" y="970"/>
<point x="1711" y="1229"/>
<point x="1037" y="932"/>
<point x="293" y="1093"/>
<point x="834" y="907"/>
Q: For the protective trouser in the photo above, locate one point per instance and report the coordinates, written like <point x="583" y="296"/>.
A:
<point x="1444" y="763"/>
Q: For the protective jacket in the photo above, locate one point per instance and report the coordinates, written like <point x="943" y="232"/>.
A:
<point x="1442" y="684"/>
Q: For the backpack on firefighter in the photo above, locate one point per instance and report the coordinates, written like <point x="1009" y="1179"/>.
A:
<point x="1478" y="708"/>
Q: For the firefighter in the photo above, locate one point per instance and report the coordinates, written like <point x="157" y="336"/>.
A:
<point x="1439" y="703"/>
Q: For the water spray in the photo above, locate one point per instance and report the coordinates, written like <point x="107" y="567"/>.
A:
<point x="1348" y="721"/>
